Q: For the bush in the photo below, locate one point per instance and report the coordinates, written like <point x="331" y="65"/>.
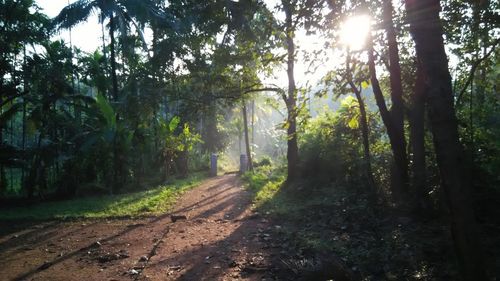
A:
<point x="331" y="145"/>
<point x="264" y="161"/>
<point x="330" y="149"/>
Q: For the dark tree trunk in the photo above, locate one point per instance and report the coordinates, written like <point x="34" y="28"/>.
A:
<point x="247" y="141"/>
<point x="253" y="121"/>
<point x="103" y="38"/>
<point x="23" y="140"/>
<point x="182" y="163"/>
<point x="399" y="169"/>
<point x="365" y="137"/>
<point x="292" y="154"/>
<point x="3" y="179"/>
<point x="239" y="140"/>
<point x="25" y="89"/>
<point x="154" y="60"/>
<point x="397" y="107"/>
<point x="417" y="140"/>
<point x="113" y="58"/>
<point x="363" y="120"/>
<point x="117" y="163"/>
<point x="35" y="174"/>
<point x="427" y="32"/>
<point x="168" y="161"/>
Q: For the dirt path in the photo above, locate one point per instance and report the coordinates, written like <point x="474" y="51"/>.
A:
<point x="221" y="239"/>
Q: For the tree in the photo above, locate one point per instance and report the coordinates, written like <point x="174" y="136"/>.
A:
<point x="472" y="39"/>
<point x="417" y="141"/>
<point x="298" y="13"/>
<point x="22" y="24"/>
<point x="393" y="116"/>
<point x="398" y="141"/>
<point x="247" y="141"/>
<point x="427" y="32"/>
<point x="117" y="11"/>
<point x="292" y="153"/>
<point x="363" y="120"/>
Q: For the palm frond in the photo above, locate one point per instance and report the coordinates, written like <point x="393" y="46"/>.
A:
<point x="142" y="10"/>
<point x="74" y="14"/>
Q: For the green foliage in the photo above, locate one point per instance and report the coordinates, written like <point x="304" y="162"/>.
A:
<point x="153" y="201"/>
<point x="264" y="161"/>
<point x="331" y="147"/>
<point x="174" y="143"/>
<point x="106" y="111"/>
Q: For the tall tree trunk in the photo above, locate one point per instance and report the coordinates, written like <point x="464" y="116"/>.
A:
<point x="247" y="141"/>
<point x="290" y="99"/>
<point x="106" y="93"/>
<point x="113" y="58"/>
<point x="3" y="178"/>
<point x="399" y="174"/>
<point x="239" y="140"/>
<point x="253" y="121"/>
<point x="116" y="154"/>
<point x="25" y="89"/>
<point x="397" y="107"/>
<point x="103" y="37"/>
<point x="154" y="60"/>
<point x="417" y="140"/>
<point x="167" y="164"/>
<point x="427" y="32"/>
<point x="365" y="137"/>
<point x="363" y="120"/>
<point x="23" y="140"/>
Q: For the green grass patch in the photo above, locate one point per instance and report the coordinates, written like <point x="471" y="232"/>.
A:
<point x="154" y="201"/>
<point x="265" y="182"/>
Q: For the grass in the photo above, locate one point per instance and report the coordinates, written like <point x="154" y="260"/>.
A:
<point x="150" y="202"/>
<point x="265" y="183"/>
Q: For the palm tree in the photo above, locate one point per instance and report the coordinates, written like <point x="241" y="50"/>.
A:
<point x="121" y="12"/>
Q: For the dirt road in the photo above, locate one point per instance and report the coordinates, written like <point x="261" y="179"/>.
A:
<point x="220" y="238"/>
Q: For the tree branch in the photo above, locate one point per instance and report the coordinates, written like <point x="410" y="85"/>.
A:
<point x="473" y="71"/>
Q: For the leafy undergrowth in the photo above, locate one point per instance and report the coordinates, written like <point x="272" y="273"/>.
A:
<point x="150" y="202"/>
<point x="322" y="220"/>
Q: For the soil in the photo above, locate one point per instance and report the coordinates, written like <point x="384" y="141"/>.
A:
<point x="212" y="234"/>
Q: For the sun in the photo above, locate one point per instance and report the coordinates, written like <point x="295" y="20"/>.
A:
<point x="354" y="31"/>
